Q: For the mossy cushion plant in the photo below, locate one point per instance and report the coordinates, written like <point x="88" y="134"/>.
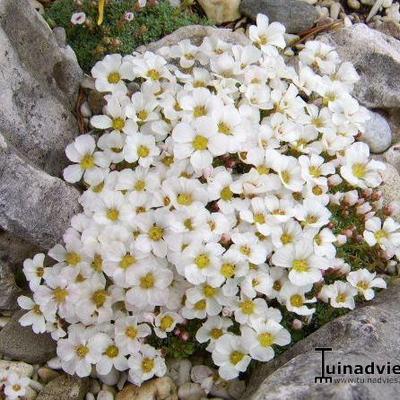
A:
<point x="117" y="33"/>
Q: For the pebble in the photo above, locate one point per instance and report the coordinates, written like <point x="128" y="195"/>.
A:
<point x="110" y="379"/>
<point x="90" y="396"/>
<point x="54" y="363"/>
<point x="21" y="368"/>
<point x="191" y="391"/>
<point x="392" y="156"/>
<point x="335" y="9"/>
<point x="94" y="386"/>
<point x="35" y="385"/>
<point x="179" y="371"/>
<point x="354" y="4"/>
<point x="47" y="374"/>
<point x="30" y="394"/>
<point x="85" y="110"/>
<point x="4" y="321"/>
<point x="105" y="395"/>
<point x="378" y="134"/>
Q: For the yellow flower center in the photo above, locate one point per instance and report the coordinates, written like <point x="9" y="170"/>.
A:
<point x="36" y="309"/>
<point x="236" y="357"/>
<point x="184" y="199"/>
<point x="140" y="185"/>
<point x="200" y="305"/>
<point x="286" y="177"/>
<point x="286" y="238"/>
<point x="112" y="214"/>
<point x="341" y="298"/>
<point x="202" y="261"/>
<point x="226" y="194"/>
<point x="143" y="151"/>
<point x="301" y="265"/>
<point x="263" y="40"/>
<point x="97" y="263"/>
<point x="142" y="115"/>
<point x="311" y="219"/>
<point x="262" y="170"/>
<point x="112" y="351"/>
<point x="127" y="261"/>
<point x="228" y="270"/>
<point x="363" y="285"/>
<point x="266" y="339"/>
<point x="114" y="77"/>
<point x="315" y="171"/>
<point x="247" y="307"/>
<point x="131" y="332"/>
<point x="380" y="235"/>
<point x="296" y="300"/>
<point x="200" y="142"/>
<point x="246" y="250"/>
<point x="60" y="295"/>
<point x="99" y="297"/>
<point x="259" y="219"/>
<point x="199" y="111"/>
<point x="166" y="322"/>
<point x="277" y="286"/>
<point x="209" y="291"/>
<point x="39" y="272"/>
<point x="73" y="258"/>
<point x="216" y="333"/>
<point x="118" y="124"/>
<point x="82" y="351"/>
<point x="147" y="281"/>
<point x="148" y="365"/>
<point x="317" y="190"/>
<point x="16" y="387"/>
<point x="188" y="224"/>
<point x="153" y="74"/>
<point x="87" y="161"/>
<point x="224" y="128"/>
<point x="359" y="170"/>
<point x="156" y="233"/>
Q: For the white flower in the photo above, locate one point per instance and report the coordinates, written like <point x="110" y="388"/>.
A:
<point x="261" y="336"/>
<point x="91" y="164"/>
<point x="34" y="270"/>
<point x="129" y="333"/>
<point x="146" y="364"/>
<point x="341" y="294"/>
<point x="15" y="386"/>
<point x="365" y="281"/>
<point x="78" y="18"/>
<point x="386" y="234"/>
<point x="212" y="330"/>
<point x="265" y="34"/>
<point x="231" y="355"/>
<point x="295" y="300"/>
<point x="166" y="322"/>
<point x="141" y="148"/>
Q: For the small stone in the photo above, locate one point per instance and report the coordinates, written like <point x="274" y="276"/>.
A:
<point x="46" y="374"/>
<point x="94" y="386"/>
<point x="191" y="391"/>
<point x="35" y="385"/>
<point x="4" y="321"/>
<point x="21" y="343"/>
<point x="156" y="389"/>
<point x="297" y="16"/>
<point x="392" y="156"/>
<point x="96" y="102"/>
<point x="65" y="387"/>
<point x="60" y="35"/>
<point x="354" y="4"/>
<point x="378" y="134"/>
<point x="391" y="186"/>
<point x="9" y="291"/>
<point x="335" y="9"/>
<point x="21" y="368"/>
<point x="105" y="395"/>
<point x="30" y="394"/>
<point x="111" y="378"/>
<point x="90" y="396"/>
<point x="85" y="110"/>
<point x="179" y="371"/>
<point x="221" y="11"/>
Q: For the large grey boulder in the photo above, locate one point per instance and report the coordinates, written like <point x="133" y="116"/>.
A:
<point x="296" y="15"/>
<point x="65" y="387"/>
<point x="39" y="82"/>
<point x="376" y="57"/>
<point x="34" y="206"/>
<point x="9" y="291"/>
<point x="22" y="344"/>
<point x="369" y="333"/>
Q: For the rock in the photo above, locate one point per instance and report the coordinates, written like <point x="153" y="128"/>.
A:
<point x="191" y="391"/>
<point x="392" y="156"/>
<point x="65" y="387"/>
<point x="376" y="58"/>
<point x="37" y="6"/>
<point x="179" y="371"/>
<point x="105" y="395"/>
<point x="296" y="15"/>
<point x="196" y="34"/>
<point x="22" y="344"/>
<point x="391" y="187"/>
<point x="156" y="389"/>
<point x="378" y="134"/>
<point x="393" y="118"/>
<point x="39" y="84"/>
<point x="354" y="4"/>
<point x="111" y="378"/>
<point x="390" y="28"/>
<point x="9" y="291"/>
<point x="21" y="368"/>
<point x="33" y="205"/>
<point x="60" y="36"/>
<point x="369" y="333"/>
<point x="46" y="374"/>
<point x="96" y="102"/>
<point x="220" y="11"/>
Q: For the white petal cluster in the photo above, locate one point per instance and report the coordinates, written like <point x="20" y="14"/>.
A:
<point x="209" y="194"/>
<point x="12" y="385"/>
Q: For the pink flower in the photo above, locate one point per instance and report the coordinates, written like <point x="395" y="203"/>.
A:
<point x="78" y="18"/>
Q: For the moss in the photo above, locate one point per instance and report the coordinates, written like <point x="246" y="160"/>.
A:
<point x="92" y="42"/>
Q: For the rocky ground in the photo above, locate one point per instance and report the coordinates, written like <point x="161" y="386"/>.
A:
<point x="46" y="101"/>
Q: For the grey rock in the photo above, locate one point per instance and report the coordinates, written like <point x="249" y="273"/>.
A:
<point x="65" y="387"/>
<point x="9" y="291"/>
<point x="369" y="333"/>
<point x="296" y="15"/>
<point x="391" y="187"/>
<point x="60" y="36"/>
<point x="34" y="206"/>
<point x="376" y="58"/>
<point x="196" y="34"/>
<point x="39" y="82"/>
<point x="22" y="344"/>
<point x="392" y="156"/>
<point x="378" y="134"/>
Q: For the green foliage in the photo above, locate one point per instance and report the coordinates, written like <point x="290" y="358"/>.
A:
<point x="116" y="35"/>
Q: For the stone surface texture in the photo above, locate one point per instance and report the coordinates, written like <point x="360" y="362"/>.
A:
<point x="376" y="57"/>
<point x="369" y="333"/>
<point x="378" y="134"/>
<point x="156" y="389"/>
<point x="296" y="15"/>
<point x="220" y="11"/>
<point x="21" y="344"/>
<point x="65" y="387"/>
